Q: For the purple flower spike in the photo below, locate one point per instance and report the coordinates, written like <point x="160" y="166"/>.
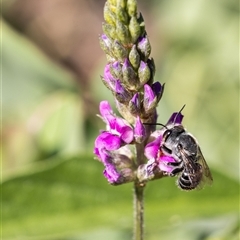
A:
<point x="139" y="131"/>
<point x="176" y="117"/>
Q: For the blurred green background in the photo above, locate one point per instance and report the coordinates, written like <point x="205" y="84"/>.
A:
<point x="51" y="66"/>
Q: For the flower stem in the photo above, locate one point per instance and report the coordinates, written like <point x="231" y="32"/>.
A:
<point x="138" y="211"/>
<point x="139" y="198"/>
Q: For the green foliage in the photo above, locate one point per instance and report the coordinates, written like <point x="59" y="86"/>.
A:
<point x="72" y="200"/>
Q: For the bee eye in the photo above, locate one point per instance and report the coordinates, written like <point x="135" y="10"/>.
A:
<point x="167" y="134"/>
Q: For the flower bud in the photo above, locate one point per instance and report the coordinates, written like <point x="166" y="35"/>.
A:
<point x="122" y="33"/>
<point x="121" y="4"/>
<point x="150" y="99"/>
<point x="129" y="76"/>
<point x="158" y="90"/>
<point x="135" y="105"/>
<point x="119" y="51"/>
<point x="144" y="47"/>
<point x="139" y="131"/>
<point x="122" y="95"/>
<point x="132" y="7"/>
<point x="116" y="70"/>
<point x="108" y="79"/>
<point x="144" y="73"/>
<point x="134" y="57"/>
<point x="112" y="2"/>
<point x="105" y="43"/>
<point x="121" y="12"/>
<point x="109" y="30"/>
<point x="134" y="29"/>
<point x="108" y="15"/>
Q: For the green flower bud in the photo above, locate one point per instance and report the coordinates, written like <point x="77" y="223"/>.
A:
<point x="144" y="73"/>
<point x="122" y="33"/>
<point x="109" y="30"/>
<point x="121" y="4"/>
<point x="134" y="57"/>
<point x="130" y="79"/>
<point x="116" y="70"/>
<point x="121" y="12"/>
<point x="135" y="105"/>
<point x="108" y="15"/>
<point x="105" y="43"/>
<point x="144" y="47"/>
<point x="112" y="2"/>
<point x="119" y="51"/>
<point x="132" y="7"/>
<point x="134" y="29"/>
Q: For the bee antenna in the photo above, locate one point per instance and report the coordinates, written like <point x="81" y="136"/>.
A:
<point x="154" y="124"/>
<point x="179" y="113"/>
<point x="182" y="108"/>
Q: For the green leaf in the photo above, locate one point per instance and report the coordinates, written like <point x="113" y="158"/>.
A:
<point x="72" y="200"/>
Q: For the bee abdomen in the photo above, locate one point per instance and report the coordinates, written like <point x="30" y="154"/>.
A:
<point x="184" y="182"/>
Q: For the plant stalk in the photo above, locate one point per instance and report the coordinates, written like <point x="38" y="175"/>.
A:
<point x="138" y="197"/>
<point x="138" y="211"/>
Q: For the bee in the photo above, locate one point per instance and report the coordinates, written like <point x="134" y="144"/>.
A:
<point x="190" y="165"/>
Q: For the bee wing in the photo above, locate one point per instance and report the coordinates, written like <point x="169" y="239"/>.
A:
<point x="193" y="171"/>
<point x="197" y="169"/>
<point x="205" y="169"/>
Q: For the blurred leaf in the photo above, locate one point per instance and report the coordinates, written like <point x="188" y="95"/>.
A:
<point x="28" y="75"/>
<point x="30" y="80"/>
<point x="73" y="200"/>
<point x="59" y="124"/>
